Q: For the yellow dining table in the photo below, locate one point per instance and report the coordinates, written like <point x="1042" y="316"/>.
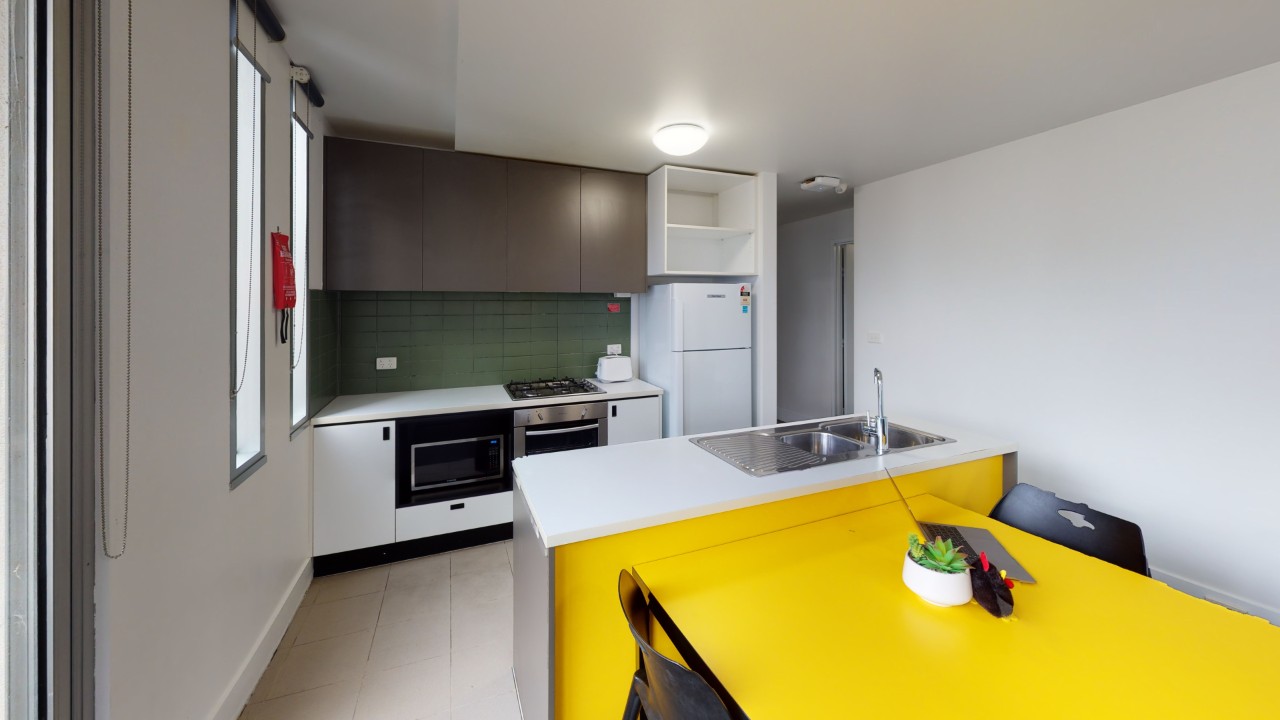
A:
<point x="814" y="622"/>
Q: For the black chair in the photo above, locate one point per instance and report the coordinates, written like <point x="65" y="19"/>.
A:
<point x="663" y="688"/>
<point x="1074" y="525"/>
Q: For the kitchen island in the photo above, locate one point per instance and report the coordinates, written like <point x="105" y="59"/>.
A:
<point x="581" y="517"/>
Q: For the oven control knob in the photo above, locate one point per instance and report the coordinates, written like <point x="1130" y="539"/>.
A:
<point x="540" y="415"/>
<point x="584" y="413"/>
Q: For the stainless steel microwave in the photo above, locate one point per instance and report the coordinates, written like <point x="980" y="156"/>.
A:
<point x="434" y="465"/>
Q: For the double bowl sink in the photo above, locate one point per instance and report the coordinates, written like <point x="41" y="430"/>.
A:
<point x="796" y="447"/>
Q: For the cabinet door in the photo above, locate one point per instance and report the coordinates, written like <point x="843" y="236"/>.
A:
<point x="635" y="420"/>
<point x="372" y="216"/>
<point x="613" y="231"/>
<point x="354" y="498"/>
<point x="464" y="219"/>
<point x="544" y="227"/>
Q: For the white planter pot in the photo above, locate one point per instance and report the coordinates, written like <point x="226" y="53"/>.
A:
<point x="945" y="589"/>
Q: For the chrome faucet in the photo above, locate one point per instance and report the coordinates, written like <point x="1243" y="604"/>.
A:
<point x="877" y="426"/>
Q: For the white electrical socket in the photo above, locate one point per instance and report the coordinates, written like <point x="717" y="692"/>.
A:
<point x="613" y="349"/>
<point x="387" y="363"/>
<point x="875" y="337"/>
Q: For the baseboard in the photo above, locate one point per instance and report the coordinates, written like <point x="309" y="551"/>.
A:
<point x="1218" y="597"/>
<point x="237" y="694"/>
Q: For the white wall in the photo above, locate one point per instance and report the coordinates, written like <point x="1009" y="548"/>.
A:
<point x="183" y="617"/>
<point x="1105" y="294"/>
<point x="807" y="300"/>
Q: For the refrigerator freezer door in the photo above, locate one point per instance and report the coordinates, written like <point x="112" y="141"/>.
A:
<point x="715" y="390"/>
<point x="710" y="316"/>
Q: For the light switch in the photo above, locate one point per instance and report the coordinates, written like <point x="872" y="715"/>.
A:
<point x="387" y="363"/>
<point x="875" y="337"/>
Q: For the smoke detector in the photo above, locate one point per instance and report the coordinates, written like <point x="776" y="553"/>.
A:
<point x="823" y="183"/>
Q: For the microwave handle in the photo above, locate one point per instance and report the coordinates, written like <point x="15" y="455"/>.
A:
<point x="561" y="431"/>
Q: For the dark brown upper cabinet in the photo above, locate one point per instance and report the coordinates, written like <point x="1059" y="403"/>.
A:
<point x="544" y="227"/>
<point x="464" y="219"/>
<point x="373" y="216"/>
<point x="614" y="240"/>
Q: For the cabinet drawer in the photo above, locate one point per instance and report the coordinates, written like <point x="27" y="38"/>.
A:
<point x="446" y="517"/>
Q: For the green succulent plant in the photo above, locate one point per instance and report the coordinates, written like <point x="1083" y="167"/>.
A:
<point x="939" y="555"/>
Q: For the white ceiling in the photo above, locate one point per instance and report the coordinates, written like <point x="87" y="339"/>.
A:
<point x="861" y="89"/>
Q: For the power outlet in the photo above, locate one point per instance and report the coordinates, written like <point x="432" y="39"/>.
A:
<point x="613" y="349"/>
<point x="875" y="337"/>
<point x="387" y="363"/>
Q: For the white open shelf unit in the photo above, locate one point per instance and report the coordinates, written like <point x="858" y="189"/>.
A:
<point x="701" y="222"/>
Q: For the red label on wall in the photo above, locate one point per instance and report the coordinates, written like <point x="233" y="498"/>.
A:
<point x="615" y="307"/>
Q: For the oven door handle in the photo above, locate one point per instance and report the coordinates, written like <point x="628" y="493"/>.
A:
<point x="562" y="431"/>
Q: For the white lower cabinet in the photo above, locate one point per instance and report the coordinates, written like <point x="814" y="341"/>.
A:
<point x="354" y="499"/>
<point x="439" y="518"/>
<point x="635" y="419"/>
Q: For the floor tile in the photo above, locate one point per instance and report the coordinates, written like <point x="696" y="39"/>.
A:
<point x="331" y="702"/>
<point x="403" y="603"/>
<point x="350" y="584"/>
<point x="482" y="622"/>
<point x="479" y="672"/>
<point x="499" y="707"/>
<point x="409" y="692"/>
<point x="322" y="663"/>
<point x="408" y="641"/>
<point x="422" y="571"/>
<point x="477" y="586"/>
<point x="263" y="689"/>
<point x="479" y="559"/>
<point x="339" y="617"/>
<point x="510" y="553"/>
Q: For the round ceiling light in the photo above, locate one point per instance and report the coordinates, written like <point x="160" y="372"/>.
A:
<point x="680" y="139"/>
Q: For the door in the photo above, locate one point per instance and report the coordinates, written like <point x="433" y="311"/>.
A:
<point x="614" y="241"/>
<point x="844" y="366"/>
<point x="464" y="222"/>
<point x="711" y="316"/>
<point x="715" y="390"/>
<point x="354" y="499"/>
<point x="372" y="216"/>
<point x="635" y="420"/>
<point x="544" y="227"/>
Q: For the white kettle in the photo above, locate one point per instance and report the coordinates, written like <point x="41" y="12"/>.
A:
<point x="613" y="368"/>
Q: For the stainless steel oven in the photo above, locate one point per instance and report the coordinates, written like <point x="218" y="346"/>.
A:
<point x="556" y="428"/>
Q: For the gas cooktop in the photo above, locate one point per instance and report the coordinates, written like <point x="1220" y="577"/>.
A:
<point x="521" y="390"/>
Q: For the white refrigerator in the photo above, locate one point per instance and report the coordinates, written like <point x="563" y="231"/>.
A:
<point x="695" y="344"/>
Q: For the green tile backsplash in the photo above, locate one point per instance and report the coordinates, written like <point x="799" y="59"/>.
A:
<point x="444" y="340"/>
<point x="322" y="349"/>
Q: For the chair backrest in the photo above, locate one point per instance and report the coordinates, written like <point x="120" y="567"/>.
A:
<point x="1074" y="525"/>
<point x="667" y="689"/>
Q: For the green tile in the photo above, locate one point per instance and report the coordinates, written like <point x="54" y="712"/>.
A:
<point x="358" y="370"/>
<point x="428" y="295"/>
<point x="516" y="307"/>
<point x="487" y="296"/>
<point x="515" y="349"/>
<point x="456" y="337"/>
<point x="594" y="321"/>
<point x="565" y="320"/>
<point x="458" y="351"/>
<point x="545" y="347"/>
<point x="487" y="350"/>
<point x="593" y="333"/>
<point x="543" y="372"/>
<point x="393" y="295"/>
<point x="358" y="386"/>
<point x="358" y="295"/>
<point x="488" y="307"/>
<point x="539" y="321"/>
<point x="425" y="382"/>
<point x="515" y="363"/>
<point x="517" y="335"/>
<point x="543" y="307"/>
<point x="397" y="322"/>
<point x="393" y="384"/>
<point x="457" y="322"/>
<point x="487" y="336"/>
<point x="457" y="380"/>
<point x="359" y="308"/>
<point x="429" y="366"/>
<point x="488" y="322"/>
<point x="360" y="324"/>
<point x="393" y="307"/>
<point x="543" y="361"/>
<point x="457" y="307"/>
<point x="428" y="337"/>
<point x="569" y="333"/>
<point x="434" y="322"/>
<point x="457" y="365"/>
<point x="360" y="340"/>
<point x="422" y="353"/>
<point x="489" y="378"/>
<point x="569" y="346"/>
<point x="486" y="364"/>
<point x="358" y="355"/>
<point x="515" y="321"/>
<point x="544" y="334"/>
<point x="520" y="296"/>
<point x="427" y="307"/>
<point x="395" y="339"/>
<point x="569" y="307"/>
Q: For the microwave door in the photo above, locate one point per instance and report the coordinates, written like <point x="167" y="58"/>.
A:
<point x="455" y="462"/>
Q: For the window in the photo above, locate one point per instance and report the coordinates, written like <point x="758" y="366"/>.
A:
<point x="298" y="330"/>
<point x="247" y="407"/>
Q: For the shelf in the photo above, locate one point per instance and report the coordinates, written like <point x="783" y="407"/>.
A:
<point x="679" y="233"/>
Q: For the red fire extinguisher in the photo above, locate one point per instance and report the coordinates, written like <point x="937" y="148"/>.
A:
<point x="286" y="294"/>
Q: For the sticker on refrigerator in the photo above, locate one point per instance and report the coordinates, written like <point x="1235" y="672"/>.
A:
<point x="744" y="296"/>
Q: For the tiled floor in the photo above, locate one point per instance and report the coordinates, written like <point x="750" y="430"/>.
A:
<point x="427" y="639"/>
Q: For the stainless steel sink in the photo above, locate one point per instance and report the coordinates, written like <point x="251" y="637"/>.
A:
<point x="769" y="451"/>
<point x="900" y="438"/>
<point x="821" y="443"/>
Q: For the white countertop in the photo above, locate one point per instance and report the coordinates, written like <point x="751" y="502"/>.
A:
<point x="392" y="405"/>
<point x="591" y="493"/>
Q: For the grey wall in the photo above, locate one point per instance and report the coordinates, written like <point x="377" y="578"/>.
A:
<point x="807" y="305"/>
<point x="1105" y="294"/>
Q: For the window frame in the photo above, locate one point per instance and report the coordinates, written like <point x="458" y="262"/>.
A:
<point x="240" y="471"/>
<point x="299" y="373"/>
